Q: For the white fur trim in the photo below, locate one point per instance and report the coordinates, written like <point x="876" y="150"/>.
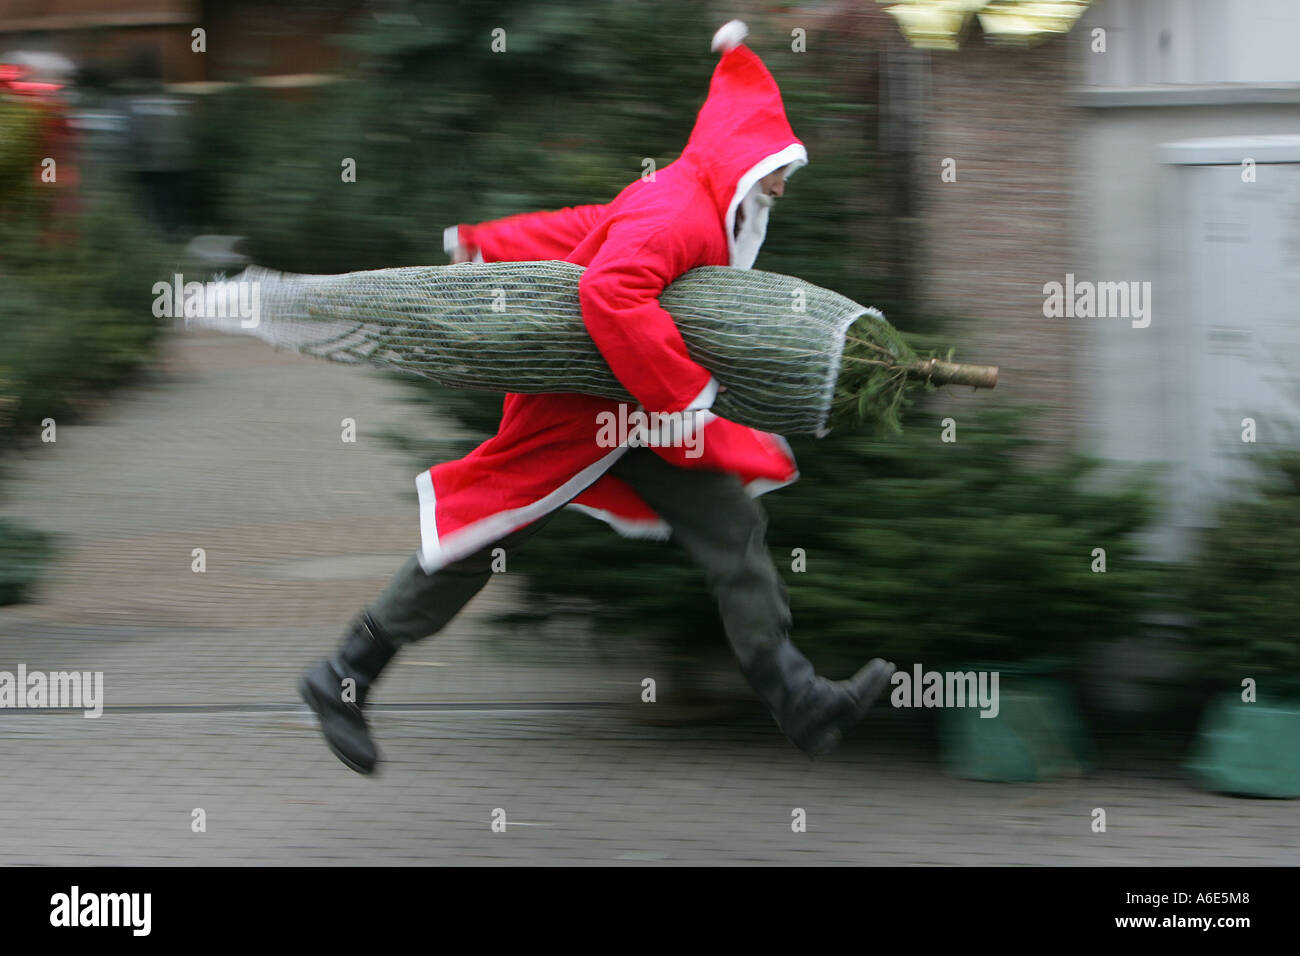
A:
<point x="673" y="430"/>
<point x="450" y="239"/>
<point x="783" y="444"/>
<point x="707" y="396"/>
<point x="451" y="242"/>
<point x="761" y="486"/>
<point x="654" y="528"/>
<point x="439" y="551"/>
<point x="435" y="554"/>
<point x="429" y="544"/>
<point x="744" y="248"/>
<point x="682" y="425"/>
<point x="729" y="36"/>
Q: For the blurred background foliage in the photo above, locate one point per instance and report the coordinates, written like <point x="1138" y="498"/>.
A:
<point x="443" y="131"/>
<point x="919" y="549"/>
<point x="77" y="314"/>
<point x="76" y="267"/>
<point x="1242" y="591"/>
<point x="916" y="549"/>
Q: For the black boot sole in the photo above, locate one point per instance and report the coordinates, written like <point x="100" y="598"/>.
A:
<point x="321" y="705"/>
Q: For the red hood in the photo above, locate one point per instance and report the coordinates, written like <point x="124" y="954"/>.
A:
<point x="740" y="136"/>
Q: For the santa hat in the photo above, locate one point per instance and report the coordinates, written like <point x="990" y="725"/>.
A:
<point x="743" y="96"/>
<point x="729" y="36"/>
<point x="743" y="131"/>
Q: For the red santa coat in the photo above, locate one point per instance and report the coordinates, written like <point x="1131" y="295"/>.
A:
<point x="548" y="451"/>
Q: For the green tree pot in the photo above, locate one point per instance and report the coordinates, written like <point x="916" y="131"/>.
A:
<point x="1038" y="733"/>
<point x="1249" y="749"/>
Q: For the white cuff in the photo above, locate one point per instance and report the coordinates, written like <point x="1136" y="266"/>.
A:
<point x="706" y="397"/>
<point x="451" y="239"/>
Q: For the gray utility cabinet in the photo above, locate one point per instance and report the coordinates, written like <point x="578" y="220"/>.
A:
<point x="1230" y="339"/>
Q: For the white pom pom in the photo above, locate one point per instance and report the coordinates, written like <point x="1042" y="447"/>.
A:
<point x="730" y="36"/>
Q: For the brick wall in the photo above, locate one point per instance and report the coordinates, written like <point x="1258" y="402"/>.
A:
<point x="991" y="239"/>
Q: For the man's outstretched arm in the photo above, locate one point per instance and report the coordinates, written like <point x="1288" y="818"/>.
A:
<point x="526" y="237"/>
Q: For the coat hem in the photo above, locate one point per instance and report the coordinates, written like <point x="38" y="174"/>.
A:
<point x="439" y="550"/>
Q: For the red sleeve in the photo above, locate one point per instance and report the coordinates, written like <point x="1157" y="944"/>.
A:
<point x="531" y="236"/>
<point x="619" y="294"/>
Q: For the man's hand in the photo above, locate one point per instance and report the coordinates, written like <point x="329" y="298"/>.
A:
<point x="461" y="255"/>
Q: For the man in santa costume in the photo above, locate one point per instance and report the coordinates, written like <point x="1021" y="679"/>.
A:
<point x="708" y="208"/>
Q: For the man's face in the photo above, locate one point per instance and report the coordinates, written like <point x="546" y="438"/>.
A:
<point x="773" y="184"/>
<point x="770" y="187"/>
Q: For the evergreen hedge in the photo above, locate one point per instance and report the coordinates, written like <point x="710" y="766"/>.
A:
<point x="915" y="548"/>
<point x="1241" y="590"/>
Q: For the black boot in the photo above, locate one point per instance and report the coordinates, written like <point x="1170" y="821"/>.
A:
<point x="363" y="654"/>
<point x="812" y="711"/>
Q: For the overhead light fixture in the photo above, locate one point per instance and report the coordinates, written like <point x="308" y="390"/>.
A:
<point x="939" y="24"/>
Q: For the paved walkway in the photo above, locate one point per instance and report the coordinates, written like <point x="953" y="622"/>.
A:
<point x="236" y="449"/>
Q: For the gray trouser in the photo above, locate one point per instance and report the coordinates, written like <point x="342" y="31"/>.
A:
<point x="712" y="517"/>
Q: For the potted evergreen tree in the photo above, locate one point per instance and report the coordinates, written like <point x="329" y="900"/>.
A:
<point x="1243" y="598"/>
<point x="956" y="557"/>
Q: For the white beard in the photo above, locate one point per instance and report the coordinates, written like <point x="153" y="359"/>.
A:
<point x="751" y="226"/>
